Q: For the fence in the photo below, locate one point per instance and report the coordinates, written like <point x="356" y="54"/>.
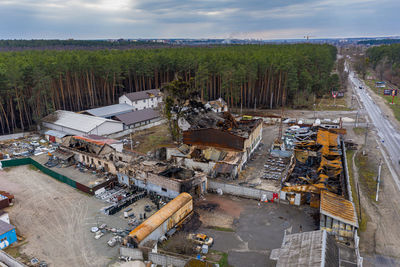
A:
<point x="14" y="136"/>
<point x="10" y="261"/>
<point x="166" y="260"/>
<point x="53" y="174"/>
<point x="241" y="191"/>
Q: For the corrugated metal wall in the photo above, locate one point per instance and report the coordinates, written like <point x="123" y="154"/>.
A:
<point x="213" y="137"/>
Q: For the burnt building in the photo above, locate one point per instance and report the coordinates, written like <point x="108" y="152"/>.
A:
<point x="165" y="180"/>
<point x="218" y="144"/>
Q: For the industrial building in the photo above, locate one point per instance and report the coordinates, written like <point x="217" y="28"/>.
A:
<point x="110" y="111"/>
<point x="338" y="216"/>
<point x="79" y="124"/>
<point x="171" y="216"/>
<point x="167" y="181"/>
<point x="217" y="143"/>
<point x="8" y="235"/>
<point x="138" y="118"/>
<point x="312" y="249"/>
<point x="143" y="99"/>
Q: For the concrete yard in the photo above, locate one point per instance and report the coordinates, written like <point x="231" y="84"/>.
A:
<point x="257" y="228"/>
<point x="86" y="178"/>
<point x="56" y="219"/>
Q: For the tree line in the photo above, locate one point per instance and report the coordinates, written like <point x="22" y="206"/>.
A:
<point x="385" y="60"/>
<point x="36" y="83"/>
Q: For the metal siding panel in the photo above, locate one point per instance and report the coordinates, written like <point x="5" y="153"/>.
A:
<point x="213" y="137"/>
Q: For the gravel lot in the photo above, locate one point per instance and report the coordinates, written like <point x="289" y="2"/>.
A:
<point x="56" y="219"/>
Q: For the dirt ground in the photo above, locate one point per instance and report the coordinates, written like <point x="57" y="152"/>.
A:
<point x="56" y="219"/>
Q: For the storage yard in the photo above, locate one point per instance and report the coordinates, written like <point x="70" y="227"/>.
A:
<point x="56" y="219"/>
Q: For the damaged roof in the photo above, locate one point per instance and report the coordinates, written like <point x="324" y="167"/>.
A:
<point x="98" y="140"/>
<point x="138" y="116"/>
<point x="338" y="207"/>
<point x="135" y="96"/>
<point x="314" y="248"/>
<point x="224" y="121"/>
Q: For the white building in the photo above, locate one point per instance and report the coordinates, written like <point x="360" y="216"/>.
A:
<point x="143" y="99"/>
<point x="78" y="124"/>
<point x="218" y="105"/>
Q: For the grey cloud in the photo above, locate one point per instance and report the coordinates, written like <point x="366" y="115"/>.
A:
<point x="193" y="18"/>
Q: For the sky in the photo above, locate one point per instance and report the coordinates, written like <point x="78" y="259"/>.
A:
<point x="243" y="19"/>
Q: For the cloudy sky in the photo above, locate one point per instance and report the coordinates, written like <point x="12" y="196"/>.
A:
<point x="260" y="19"/>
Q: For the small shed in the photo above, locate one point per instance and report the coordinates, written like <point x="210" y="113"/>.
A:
<point x="4" y="216"/>
<point x="8" y="235"/>
<point x="54" y="136"/>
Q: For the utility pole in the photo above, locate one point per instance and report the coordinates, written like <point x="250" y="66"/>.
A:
<point x="366" y="135"/>
<point x="131" y="141"/>
<point x="359" y="201"/>
<point x="379" y="180"/>
<point x="356" y="121"/>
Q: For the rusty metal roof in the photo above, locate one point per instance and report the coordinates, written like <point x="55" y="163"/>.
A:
<point x="339" y="208"/>
<point x="154" y="221"/>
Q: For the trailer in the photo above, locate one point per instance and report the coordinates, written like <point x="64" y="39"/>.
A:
<point x="172" y="215"/>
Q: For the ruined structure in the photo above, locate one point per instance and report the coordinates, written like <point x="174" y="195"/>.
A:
<point x="165" y="180"/>
<point x="217" y="144"/>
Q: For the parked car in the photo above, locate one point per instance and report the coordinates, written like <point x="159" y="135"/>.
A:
<point x="98" y="235"/>
<point x="201" y="239"/>
<point x="34" y="143"/>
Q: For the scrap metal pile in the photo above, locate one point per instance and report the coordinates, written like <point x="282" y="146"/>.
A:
<point x="274" y="167"/>
<point x="318" y="165"/>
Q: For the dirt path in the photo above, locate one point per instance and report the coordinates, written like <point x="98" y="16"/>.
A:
<point x="382" y="236"/>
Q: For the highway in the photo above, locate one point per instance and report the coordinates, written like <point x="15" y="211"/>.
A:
<point x="389" y="137"/>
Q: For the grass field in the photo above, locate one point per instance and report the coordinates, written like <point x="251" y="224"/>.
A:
<point x="388" y="99"/>
<point x="364" y="219"/>
<point x="151" y="138"/>
<point x="367" y="174"/>
<point x="327" y="102"/>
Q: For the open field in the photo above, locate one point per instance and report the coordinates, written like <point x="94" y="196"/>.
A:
<point x="56" y="219"/>
<point x="150" y="139"/>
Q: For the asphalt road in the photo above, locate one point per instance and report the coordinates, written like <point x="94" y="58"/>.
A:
<point x="389" y="137"/>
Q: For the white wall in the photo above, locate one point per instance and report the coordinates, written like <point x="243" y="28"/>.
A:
<point x="108" y="128"/>
<point x="152" y="102"/>
<point x="5" y="218"/>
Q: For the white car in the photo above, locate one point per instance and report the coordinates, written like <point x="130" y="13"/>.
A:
<point x="98" y="235"/>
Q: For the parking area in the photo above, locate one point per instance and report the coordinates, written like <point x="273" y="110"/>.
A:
<point x="248" y="230"/>
<point x="55" y="220"/>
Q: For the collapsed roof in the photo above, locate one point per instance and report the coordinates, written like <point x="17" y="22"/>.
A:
<point x="223" y="121"/>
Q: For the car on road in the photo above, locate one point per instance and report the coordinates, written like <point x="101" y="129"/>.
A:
<point x="201" y="239"/>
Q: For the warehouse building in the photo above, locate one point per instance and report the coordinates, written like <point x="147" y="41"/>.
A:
<point x="138" y="118"/>
<point x="110" y="111"/>
<point x="338" y="216"/>
<point x="167" y="181"/>
<point x="8" y="235"/>
<point x="312" y="249"/>
<point x="143" y="99"/>
<point x="79" y="124"/>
